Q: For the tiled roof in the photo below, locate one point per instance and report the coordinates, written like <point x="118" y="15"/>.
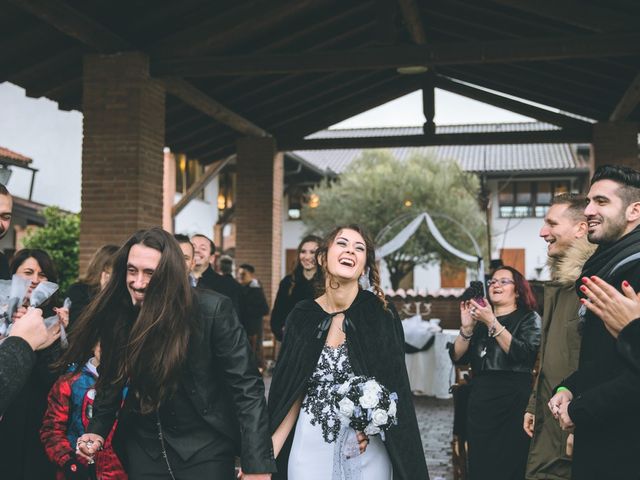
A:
<point x="9" y="156"/>
<point x="473" y="158"/>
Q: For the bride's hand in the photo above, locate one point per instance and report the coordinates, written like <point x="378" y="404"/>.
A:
<point x="363" y="441"/>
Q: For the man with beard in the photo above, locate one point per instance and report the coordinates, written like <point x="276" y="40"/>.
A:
<point x="600" y="399"/>
<point x="565" y="231"/>
<point x="208" y="278"/>
<point x="6" y="207"/>
<point x="195" y="398"/>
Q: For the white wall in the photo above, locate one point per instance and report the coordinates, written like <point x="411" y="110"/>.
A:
<point x="52" y="138"/>
<point x="518" y="233"/>
<point x="292" y="233"/>
<point x="199" y="216"/>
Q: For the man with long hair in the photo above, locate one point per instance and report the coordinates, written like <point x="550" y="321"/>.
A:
<point x="195" y="397"/>
<point x="600" y="399"/>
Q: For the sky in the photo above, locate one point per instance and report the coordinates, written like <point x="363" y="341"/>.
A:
<point x="450" y="109"/>
<point x="53" y="138"/>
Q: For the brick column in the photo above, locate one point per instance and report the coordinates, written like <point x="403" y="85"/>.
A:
<point x="258" y="210"/>
<point x="615" y="143"/>
<point x="122" y="150"/>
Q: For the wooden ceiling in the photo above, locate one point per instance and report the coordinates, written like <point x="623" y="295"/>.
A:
<point x="288" y="68"/>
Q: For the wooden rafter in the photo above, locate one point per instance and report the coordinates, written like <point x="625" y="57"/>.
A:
<point x="628" y="102"/>
<point x="413" y="21"/>
<point x="456" y="53"/>
<point x="75" y="24"/>
<point x="484" y="138"/>
<point x="578" y="13"/>
<point x="91" y="33"/>
<point x="207" y="105"/>
<point x="506" y="103"/>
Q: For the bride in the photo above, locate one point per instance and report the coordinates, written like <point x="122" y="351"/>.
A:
<point x="346" y="331"/>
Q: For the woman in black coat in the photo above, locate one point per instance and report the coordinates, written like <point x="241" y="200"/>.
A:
<point x="344" y="320"/>
<point x="297" y="286"/>
<point x="500" y="340"/>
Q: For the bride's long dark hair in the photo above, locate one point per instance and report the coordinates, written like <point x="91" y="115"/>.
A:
<point x="146" y="346"/>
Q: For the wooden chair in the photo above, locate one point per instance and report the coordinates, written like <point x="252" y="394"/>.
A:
<point x="459" y="446"/>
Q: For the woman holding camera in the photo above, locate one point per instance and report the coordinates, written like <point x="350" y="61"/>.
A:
<point x="500" y="340"/>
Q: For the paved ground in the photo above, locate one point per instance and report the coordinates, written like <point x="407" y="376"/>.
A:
<point x="435" y="419"/>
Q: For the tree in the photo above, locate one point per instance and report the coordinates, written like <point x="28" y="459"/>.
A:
<point x="60" y="238"/>
<point x="377" y="189"/>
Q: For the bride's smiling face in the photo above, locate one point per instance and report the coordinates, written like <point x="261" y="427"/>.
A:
<point x="347" y="255"/>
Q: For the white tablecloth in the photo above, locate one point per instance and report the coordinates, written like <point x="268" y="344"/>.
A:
<point x="431" y="372"/>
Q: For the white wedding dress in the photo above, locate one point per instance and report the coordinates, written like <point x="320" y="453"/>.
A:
<point x="314" y="453"/>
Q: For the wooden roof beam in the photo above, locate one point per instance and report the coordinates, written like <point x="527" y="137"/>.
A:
<point x="576" y="12"/>
<point x="481" y="138"/>
<point x="207" y="105"/>
<point x="506" y="103"/>
<point x="413" y="21"/>
<point x="455" y="53"/>
<point x="75" y="24"/>
<point x="628" y="102"/>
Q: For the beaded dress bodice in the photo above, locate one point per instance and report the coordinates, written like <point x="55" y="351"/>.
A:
<point x="321" y="401"/>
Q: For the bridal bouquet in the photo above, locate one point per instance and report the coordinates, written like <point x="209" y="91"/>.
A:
<point x="367" y="405"/>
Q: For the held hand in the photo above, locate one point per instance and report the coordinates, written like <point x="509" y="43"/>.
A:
<point x="482" y="313"/>
<point x="529" y="423"/>
<point x="31" y="328"/>
<point x="561" y="398"/>
<point x="363" y="441"/>
<point x="466" y="319"/>
<point x="87" y="446"/>
<point x="615" y="309"/>
<point x="564" y="419"/>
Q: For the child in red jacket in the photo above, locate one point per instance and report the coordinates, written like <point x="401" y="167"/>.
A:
<point x="67" y="416"/>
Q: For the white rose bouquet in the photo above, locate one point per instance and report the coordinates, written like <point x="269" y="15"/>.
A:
<point x="369" y="406"/>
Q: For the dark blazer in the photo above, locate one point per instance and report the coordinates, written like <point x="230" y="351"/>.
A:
<point x="224" y="284"/>
<point x="286" y="299"/>
<point x="629" y="344"/>
<point x="222" y="382"/>
<point x="253" y="307"/>
<point x="375" y="341"/>
<point x="606" y="394"/>
<point x="16" y="362"/>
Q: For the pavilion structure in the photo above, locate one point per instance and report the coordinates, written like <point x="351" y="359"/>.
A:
<point x="255" y="78"/>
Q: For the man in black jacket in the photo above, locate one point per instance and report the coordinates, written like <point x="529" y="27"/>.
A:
<point x="195" y="397"/>
<point x="253" y="307"/>
<point x="206" y="276"/>
<point x="600" y="400"/>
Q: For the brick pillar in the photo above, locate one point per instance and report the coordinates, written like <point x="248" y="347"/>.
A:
<point x="258" y="210"/>
<point x="122" y="150"/>
<point x="615" y="143"/>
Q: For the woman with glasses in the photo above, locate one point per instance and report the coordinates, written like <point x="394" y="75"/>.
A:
<point x="500" y="339"/>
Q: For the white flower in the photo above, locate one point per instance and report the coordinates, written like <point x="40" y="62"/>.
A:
<point x="371" y="430"/>
<point x="371" y="387"/>
<point x="369" y="400"/>
<point x="379" y="417"/>
<point x="392" y="408"/>
<point x="346" y="407"/>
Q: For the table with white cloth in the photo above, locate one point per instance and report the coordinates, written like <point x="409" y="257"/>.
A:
<point x="431" y="372"/>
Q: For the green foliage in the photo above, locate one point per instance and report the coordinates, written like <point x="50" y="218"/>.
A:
<point x="60" y="238"/>
<point x="377" y="189"/>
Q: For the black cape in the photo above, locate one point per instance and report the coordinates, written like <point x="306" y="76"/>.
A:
<point x="375" y="342"/>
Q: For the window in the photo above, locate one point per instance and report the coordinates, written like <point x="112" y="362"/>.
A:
<point x="188" y="172"/>
<point x="528" y="199"/>
<point x="299" y="197"/>
<point x="226" y="190"/>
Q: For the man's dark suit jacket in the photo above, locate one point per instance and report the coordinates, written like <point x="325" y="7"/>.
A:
<point x="224" y="284"/>
<point x="222" y="382"/>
